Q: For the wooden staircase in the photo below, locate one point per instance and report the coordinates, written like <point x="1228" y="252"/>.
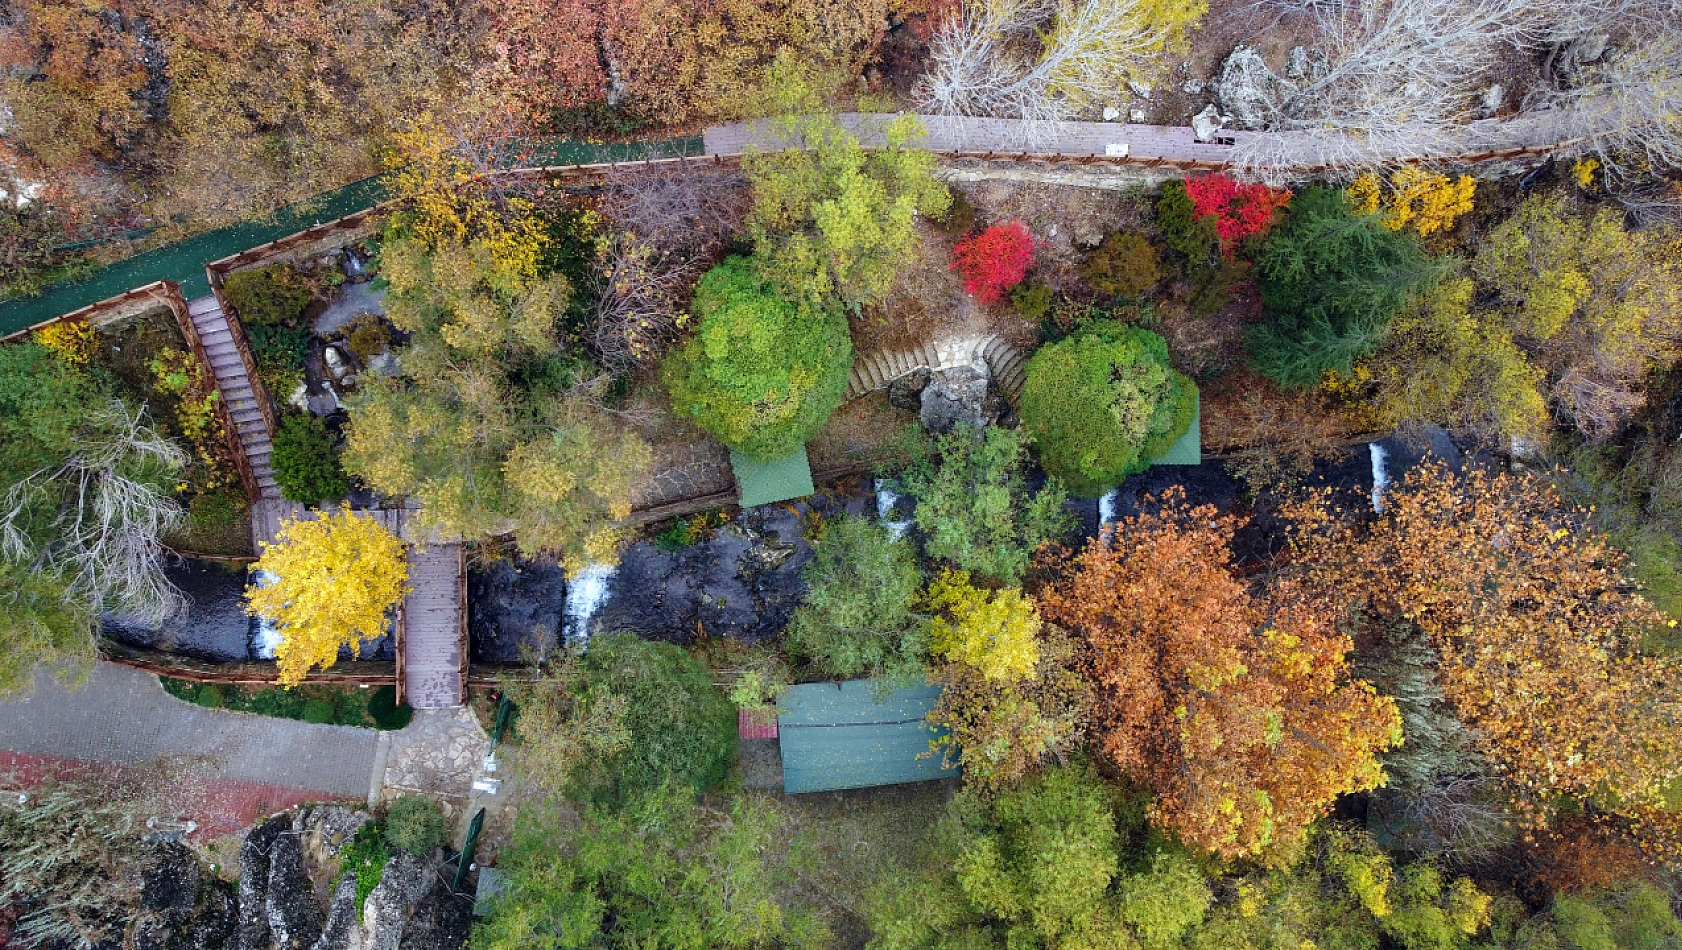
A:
<point x="246" y="402"/>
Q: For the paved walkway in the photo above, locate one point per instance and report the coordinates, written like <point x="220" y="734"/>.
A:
<point x="123" y="717"/>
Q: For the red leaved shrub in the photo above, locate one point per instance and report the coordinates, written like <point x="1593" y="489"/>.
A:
<point x="1240" y="210"/>
<point x="995" y="260"/>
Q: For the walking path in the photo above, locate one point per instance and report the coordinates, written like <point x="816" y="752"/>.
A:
<point x="123" y="717"/>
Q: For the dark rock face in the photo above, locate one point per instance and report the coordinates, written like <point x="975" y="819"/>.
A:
<point x="215" y="627"/>
<point x="906" y="392"/>
<point x="184" y="910"/>
<point x="289" y="904"/>
<point x="441" y="921"/>
<point x="744" y="582"/>
<point x="515" y="607"/>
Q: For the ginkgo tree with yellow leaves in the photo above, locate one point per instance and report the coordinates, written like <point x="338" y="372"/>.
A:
<point x="335" y="581"/>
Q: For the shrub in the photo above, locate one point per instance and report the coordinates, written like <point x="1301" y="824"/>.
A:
<point x="995" y="260"/>
<point x="366" y="336"/>
<point x="74" y="341"/>
<point x="1238" y="211"/>
<point x="1031" y="300"/>
<point x="305" y="464"/>
<point x="1331" y="280"/>
<point x="974" y="507"/>
<point x="383" y="709"/>
<point x="1103" y="403"/>
<point x="1125" y="265"/>
<point x="318" y="711"/>
<point x="960" y="215"/>
<point x="681" y="728"/>
<point x="415" y="824"/>
<point x="366" y="856"/>
<point x="857" y="618"/>
<point x="994" y="632"/>
<point x="1423" y="200"/>
<point x="761" y="373"/>
<point x="1181" y="227"/>
<point x="279" y="349"/>
<point x="276" y="294"/>
<point x="210" y="696"/>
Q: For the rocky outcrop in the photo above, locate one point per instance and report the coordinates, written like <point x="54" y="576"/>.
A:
<point x="341" y="931"/>
<point x="289" y="903"/>
<point x="955" y="397"/>
<point x="254" y="882"/>
<point x="1248" y="90"/>
<point x="407" y="879"/>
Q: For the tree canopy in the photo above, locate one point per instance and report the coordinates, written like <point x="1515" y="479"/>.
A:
<point x="1103" y="403"/>
<point x="762" y="373"/>
<point x="333" y="583"/>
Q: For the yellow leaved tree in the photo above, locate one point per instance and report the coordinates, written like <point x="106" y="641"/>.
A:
<point x="993" y="631"/>
<point x="334" y="580"/>
<point x="1414" y="198"/>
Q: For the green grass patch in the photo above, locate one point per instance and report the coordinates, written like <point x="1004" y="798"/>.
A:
<point x="346" y="706"/>
<point x="366" y="855"/>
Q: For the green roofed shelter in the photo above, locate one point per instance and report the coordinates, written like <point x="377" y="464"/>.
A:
<point x="762" y="483"/>
<point x="838" y="735"/>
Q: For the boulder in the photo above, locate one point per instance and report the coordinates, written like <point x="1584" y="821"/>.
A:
<point x="906" y="392"/>
<point x="1141" y="89"/>
<point x="337" y="365"/>
<point x="406" y="880"/>
<point x="342" y="931"/>
<point x="1111" y="113"/>
<point x="1296" y="63"/>
<point x="300" y="398"/>
<point x="1247" y="89"/>
<point x="954" y="396"/>
<point x="254" y="882"/>
<point x="1205" y="124"/>
<point x="290" y="903"/>
<point x="324" y="829"/>
<point x="1193" y="86"/>
<point x="1492" y="99"/>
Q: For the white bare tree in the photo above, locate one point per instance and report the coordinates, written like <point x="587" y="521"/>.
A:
<point x="1043" y="60"/>
<point x="1395" y="81"/>
<point x="104" y="519"/>
<point x="1627" y="111"/>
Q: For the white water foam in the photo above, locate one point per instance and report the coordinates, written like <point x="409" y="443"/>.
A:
<point x="1380" y="475"/>
<point x="886" y="498"/>
<point x="585" y="595"/>
<point x="1106" y="507"/>
<point x="268" y="635"/>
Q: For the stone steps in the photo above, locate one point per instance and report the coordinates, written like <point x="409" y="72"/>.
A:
<point x="1004" y="363"/>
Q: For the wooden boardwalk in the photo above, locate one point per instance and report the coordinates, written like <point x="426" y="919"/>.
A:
<point x="221" y="344"/>
<point x="1122" y="143"/>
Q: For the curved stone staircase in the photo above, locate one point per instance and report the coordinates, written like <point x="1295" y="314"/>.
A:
<point x="1005" y="363"/>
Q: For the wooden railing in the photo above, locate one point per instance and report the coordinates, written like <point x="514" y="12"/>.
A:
<point x="155" y="290"/>
<point x="397" y="625"/>
<point x="461" y="621"/>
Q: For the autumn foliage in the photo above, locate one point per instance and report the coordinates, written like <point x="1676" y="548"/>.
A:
<point x="995" y="260"/>
<point x="334" y="581"/>
<point x="1538" y="629"/>
<point x="1235" y="710"/>
<point x="1239" y="210"/>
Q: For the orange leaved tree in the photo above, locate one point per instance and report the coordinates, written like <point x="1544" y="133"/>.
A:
<point x="1236" y="711"/>
<point x="1539" y="633"/>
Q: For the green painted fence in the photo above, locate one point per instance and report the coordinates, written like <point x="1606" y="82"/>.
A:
<point x="183" y="262"/>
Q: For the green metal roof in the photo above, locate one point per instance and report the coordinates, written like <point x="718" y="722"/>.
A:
<point x="837" y="735"/>
<point x="1189" y="449"/>
<point x="762" y="483"/>
<point x="183" y="262"/>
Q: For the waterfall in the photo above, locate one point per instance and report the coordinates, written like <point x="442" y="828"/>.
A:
<point x="1380" y="475"/>
<point x="585" y="595"/>
<point x="267" y="638"/>
<point x="886" y="499"/>
<point x="1106" y="507"/>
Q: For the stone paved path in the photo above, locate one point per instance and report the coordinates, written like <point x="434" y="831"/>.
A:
<point x="123" y="717"/>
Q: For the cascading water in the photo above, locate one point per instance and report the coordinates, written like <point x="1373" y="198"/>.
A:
<point x="1106" y="507"/>
<point x="886" y="499"/>
<point x="1380" y="475"/>
<point x="266" y="639"/>
<point x="585" y="596"/>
